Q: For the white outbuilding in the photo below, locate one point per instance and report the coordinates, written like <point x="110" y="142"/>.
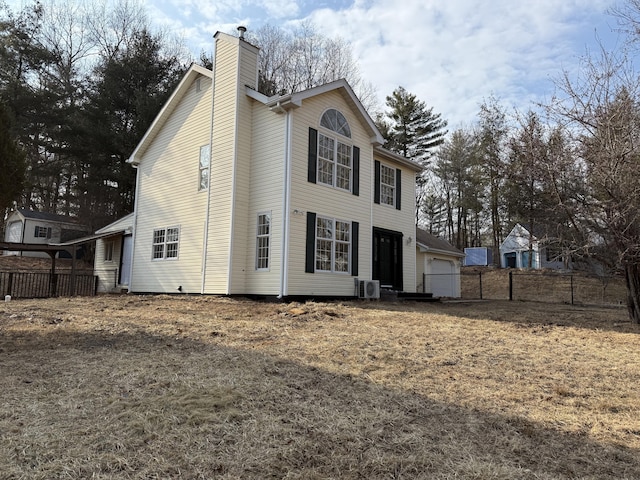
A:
<point x="437" y="266"/>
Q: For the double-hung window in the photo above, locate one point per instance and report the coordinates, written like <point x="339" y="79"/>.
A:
<point x="203" y="176"/>
<point x="263" y="241"/>
<point x="334" y="162"/>
<point x="387" y="185"/>
<point x="165" y="243"/>
<point x="333" y="245"/>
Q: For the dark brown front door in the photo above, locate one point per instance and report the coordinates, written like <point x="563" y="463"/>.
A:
<point x="387" y="258"/>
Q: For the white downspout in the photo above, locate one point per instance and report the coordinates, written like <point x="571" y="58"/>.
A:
<point x="205" y="244"/>
<point x="284" y="261"/>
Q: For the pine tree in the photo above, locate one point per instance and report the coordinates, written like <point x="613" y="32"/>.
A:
<point x="414" y="130"/>
<point x="12" y="165"/>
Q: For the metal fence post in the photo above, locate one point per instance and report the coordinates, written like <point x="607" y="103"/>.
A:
<point x="480" y="276"/>
<point x="510" y="286"/>
<point x="571" y="278"/>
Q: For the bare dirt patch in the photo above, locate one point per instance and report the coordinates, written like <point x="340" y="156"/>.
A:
<point x="208" y="387"/>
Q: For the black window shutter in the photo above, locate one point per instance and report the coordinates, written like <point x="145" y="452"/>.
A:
<point x="313" y="155"/>
<point x="376" y="182"/>
<point x="398" y="188"/>
<point x="356" y="171"/>
<point x="355" y="227"/>
<point x="310" y="260"/>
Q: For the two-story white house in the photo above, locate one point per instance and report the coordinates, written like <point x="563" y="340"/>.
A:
<point x="284" y="196"/>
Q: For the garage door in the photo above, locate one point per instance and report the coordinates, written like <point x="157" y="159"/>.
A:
<point x="442" y="278"/>
<point x="14" y="232"/>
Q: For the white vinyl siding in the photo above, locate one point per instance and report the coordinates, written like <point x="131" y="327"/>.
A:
<point x="401" y="221"/>
<point x="266" y="185"/>
<point x="168" y="196"/>
<point x="335" y="203"/>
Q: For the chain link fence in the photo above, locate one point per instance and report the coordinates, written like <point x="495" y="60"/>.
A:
<point x="543" y="286"/>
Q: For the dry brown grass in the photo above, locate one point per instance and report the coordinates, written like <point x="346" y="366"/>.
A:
<point x="203" y="387"/>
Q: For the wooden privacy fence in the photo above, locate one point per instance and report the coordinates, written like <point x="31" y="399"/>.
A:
<point x="42" y="284"/>
<point x="571" y="288"/>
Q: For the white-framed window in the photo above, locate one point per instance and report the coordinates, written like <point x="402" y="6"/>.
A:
<point x="333" y="120"/>
<point x="333" y="245"/>
<point x="387" y="185"/>
<point x="334" y="162"/>
<point x="205" y="160"/>
<point x="42" y="232"/>
<point x="335" y="157"/>
<point x="165" y="243"/>
<point x="108" y="250"/>
<point x="263" y="241"/>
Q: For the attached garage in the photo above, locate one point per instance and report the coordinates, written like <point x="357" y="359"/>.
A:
<point x="438" y="266"/>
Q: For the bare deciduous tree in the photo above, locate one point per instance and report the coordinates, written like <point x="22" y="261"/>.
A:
<point x="293" y="61"/>
<point x="601" y="107"/>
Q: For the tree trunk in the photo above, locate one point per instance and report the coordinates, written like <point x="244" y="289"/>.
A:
<point x="632" y="274"/>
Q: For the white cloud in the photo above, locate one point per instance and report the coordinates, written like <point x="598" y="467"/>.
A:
<point x="453" y="55"/>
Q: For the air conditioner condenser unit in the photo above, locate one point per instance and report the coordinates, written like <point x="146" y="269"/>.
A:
<point x="369" y="289"/>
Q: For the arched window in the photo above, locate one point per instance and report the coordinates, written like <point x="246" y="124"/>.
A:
<point x="335" y="121"/>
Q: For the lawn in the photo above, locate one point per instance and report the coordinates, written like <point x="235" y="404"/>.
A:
<point x="146" y="387"/>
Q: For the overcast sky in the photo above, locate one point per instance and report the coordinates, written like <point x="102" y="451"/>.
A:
<point x="452" y="54"/>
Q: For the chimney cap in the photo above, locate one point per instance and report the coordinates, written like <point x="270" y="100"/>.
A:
<point x="242" y="29"/>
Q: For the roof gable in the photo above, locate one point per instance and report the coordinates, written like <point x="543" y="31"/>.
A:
<point x="295" y="100"/>
<point x="166" y="110"/>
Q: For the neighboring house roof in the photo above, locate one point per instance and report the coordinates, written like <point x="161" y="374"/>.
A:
<point x="431" y="243"/>
<point x="49" y="217"/>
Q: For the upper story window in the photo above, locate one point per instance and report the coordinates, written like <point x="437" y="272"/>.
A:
<point x="332" y="158"/>
<point x="334" y="120"/>
<point x="334" y="162"/>
<point x="205" y="159"/>
<point x="387" y="185"/>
